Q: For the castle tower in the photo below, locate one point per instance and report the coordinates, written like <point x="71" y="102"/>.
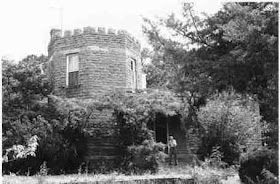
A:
<point x="88" y="62"/>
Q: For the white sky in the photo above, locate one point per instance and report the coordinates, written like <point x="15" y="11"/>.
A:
<point x="25" y="24"/>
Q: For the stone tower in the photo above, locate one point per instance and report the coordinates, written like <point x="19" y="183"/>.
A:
<point x="88" y="62"/>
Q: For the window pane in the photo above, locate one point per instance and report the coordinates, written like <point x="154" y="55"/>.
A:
<point x="133" y="73"/>
<point x="73" y="64"/>
<point x="73" y="78"/>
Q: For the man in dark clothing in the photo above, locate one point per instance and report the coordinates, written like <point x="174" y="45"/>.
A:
<point x="172" y="144"/>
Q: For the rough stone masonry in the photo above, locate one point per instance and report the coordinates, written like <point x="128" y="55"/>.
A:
<point x="86" y="63"/>
<point x="107" y="61"/>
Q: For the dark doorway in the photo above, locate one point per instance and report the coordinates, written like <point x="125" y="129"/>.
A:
<point x="161" y="135"/>
<point x="161" y="128"/>
<point x="164" y="126"/>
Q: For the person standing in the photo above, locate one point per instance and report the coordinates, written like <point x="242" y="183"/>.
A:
<point x="172" y="149"/>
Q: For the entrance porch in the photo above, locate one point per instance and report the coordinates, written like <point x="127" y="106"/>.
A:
<point x="165" y="126"/>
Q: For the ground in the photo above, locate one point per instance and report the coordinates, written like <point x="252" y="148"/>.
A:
<point x="182" y="171"/>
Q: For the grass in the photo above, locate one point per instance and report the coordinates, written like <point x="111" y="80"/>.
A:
<point x="228" y="176"/>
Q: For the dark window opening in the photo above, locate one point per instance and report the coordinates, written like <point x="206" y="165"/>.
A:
<point x="73" y="78"/>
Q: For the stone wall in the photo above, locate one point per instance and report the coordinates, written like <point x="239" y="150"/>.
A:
<point x="104" y="65"/>
<point x="104" y="61"/>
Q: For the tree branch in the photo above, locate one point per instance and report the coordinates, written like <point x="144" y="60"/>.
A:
<point x="195" y="26"/>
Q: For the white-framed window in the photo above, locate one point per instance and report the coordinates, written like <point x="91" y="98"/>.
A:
<point x="72" y="69"/>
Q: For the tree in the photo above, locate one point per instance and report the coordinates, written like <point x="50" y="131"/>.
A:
<point x="235" y="48"/>
<point x="27" y="82"/>
<point x="24" y="87"/>
<point x="254" y="29"/>
<point x="26" y="114"/>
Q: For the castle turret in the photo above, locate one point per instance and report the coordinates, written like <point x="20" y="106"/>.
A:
<point x="83" y="63"/>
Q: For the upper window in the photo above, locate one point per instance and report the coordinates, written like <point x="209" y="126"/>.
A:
<point x="133" y="73"/>
<point x="72" y="78"/>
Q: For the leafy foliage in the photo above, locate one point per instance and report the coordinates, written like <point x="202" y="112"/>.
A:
<point x="230" y="121"/>
<point x="133" y="112"/>
<point x="20" y="151"/>
<point x="145" y="157"/>
<point x="24" y="84"/>
<point x="215" y="158"/>
<point x="24" y="87"/>
<point x="235" y="48"/>
<point x="259" y="166"/>
<point x="62" y="124"/>
<point x="60" y="137"/>
<point x="26" y="114"/>
<point x="43" y="169"/>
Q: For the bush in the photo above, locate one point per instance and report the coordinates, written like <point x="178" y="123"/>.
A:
<point x="26" y="113"/>
<point x="230" y="121"/>
<point x="139" y="153"/>
<point x="215" y="159"/>
<point x="259" y="166"/>
<point x="146" y="157"/>
<point x="60" y="140"/>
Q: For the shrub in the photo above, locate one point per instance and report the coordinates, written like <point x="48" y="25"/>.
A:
<point x="215" y="159"/>
<point x="139" y="153"/>
<point x="230" y="121"/>
<point x="259" y="166"/>
<point x="20" y="151"/>
<point x="146" y="157"/>
<point x="60" y="137"/>
<point x="43" y="169"/>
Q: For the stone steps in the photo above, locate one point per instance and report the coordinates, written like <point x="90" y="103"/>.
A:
<point x="185" y="157"/>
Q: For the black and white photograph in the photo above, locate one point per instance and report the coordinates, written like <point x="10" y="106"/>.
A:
<point x="139" y="92"/>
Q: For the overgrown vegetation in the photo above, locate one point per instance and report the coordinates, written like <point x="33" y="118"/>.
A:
<point x="146" y="157"/>
<point x="259" y="166"/>
<point x="132" y="113"/>
<point x="202" y="175"/>
<point x="224" y="66"/>
<point x="62" y="125"/>
<point x="234" y="49"/>
<point x="27" y="114"/>
<point x="231" y="122"/>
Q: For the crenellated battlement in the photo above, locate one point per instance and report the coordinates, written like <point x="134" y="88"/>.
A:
<point x="57" y="33"/>
<point x="108" y="60"/>
<point x="89" y="62"/>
